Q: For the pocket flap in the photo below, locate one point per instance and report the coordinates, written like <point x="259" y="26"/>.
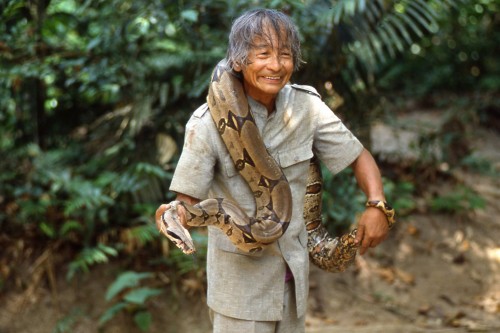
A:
<point x="295" y="155"/>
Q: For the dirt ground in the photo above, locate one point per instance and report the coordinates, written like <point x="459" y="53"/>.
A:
<point x="435" y="273"/>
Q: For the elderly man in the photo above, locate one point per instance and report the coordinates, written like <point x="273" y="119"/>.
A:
<point x="267" y="291"/>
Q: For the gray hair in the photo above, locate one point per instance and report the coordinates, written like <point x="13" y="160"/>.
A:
<point x="251" y="24"/>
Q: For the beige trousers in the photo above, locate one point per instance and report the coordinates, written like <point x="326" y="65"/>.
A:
<point x="289" y="324"/>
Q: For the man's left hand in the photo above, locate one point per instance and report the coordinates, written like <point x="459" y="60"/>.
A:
<point x="372" y="229"/>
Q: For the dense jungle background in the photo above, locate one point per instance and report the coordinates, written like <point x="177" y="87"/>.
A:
<point x="94" y="95"/>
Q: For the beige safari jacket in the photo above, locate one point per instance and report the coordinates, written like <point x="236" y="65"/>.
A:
<point x="251" y="286"/>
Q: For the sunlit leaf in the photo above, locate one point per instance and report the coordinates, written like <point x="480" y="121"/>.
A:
<point x="140" y="295"/>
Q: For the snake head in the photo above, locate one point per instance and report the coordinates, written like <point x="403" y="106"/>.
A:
<point x="172" y="228"/>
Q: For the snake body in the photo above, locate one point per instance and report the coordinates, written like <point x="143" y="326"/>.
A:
<point x="332" y="254"/>
<point x="234" y="121"/>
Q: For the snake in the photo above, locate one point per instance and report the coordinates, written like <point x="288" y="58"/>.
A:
<point x="236" y="126"/>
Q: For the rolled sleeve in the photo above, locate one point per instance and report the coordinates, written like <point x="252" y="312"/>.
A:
<point x="334" y="144"/>
<point x="195" y="170"/>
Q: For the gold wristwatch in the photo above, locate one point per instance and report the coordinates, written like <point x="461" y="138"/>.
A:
<point x="389" y="212"/>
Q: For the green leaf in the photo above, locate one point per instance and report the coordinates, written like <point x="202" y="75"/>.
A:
<point x="401" y="27"/>
<point x="190" y="15"/>
<point x="69" y="226"/>
<point x="111" y="312"/>
<point x="47" y="229"/>
<point x="144" y="233"/>
<point x="412" y="24"/>
<point x="140" y="295"/>
<point x="337" y="12"/>
<point x="90" y="256"/>
<point x="125" y="280"/>
<point x="143" y="320"/>
<point x="387" y="26"/>
<point x="388" y="43"/>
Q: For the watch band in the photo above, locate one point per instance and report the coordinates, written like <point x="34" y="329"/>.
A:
<point x="389" y="212"/>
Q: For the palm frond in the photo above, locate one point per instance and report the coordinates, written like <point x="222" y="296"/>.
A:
<point x="382" y="29"/>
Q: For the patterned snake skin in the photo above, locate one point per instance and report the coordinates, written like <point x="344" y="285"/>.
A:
<point x="230" y="112"/>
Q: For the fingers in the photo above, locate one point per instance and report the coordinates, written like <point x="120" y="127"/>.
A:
<point x="366" y="241"/>
<point x="360" y="234"/>
<point x="181" y="212"/>
<point x="360" y="239"/>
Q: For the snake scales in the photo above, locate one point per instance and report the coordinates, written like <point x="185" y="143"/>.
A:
<point x="229" y="109"/>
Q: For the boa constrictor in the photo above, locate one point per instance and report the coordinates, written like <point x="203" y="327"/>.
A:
<point x="230" y="111"/>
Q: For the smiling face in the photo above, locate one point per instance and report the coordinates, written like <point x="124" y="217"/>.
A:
<point x="269" y="67"/>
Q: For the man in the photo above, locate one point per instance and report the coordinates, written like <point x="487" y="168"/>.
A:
<point x="267" y="291"/>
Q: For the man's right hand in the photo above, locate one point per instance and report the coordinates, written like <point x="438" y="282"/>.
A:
<point x="159" y="213"/>
<point x="181" y="212"/>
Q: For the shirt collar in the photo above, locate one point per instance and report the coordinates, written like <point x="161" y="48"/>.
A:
<point x="260" y="110"/>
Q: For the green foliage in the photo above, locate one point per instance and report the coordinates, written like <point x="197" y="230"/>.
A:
<point x="463" y="48"/>
<point x="90" y="256"/>
<point x="479" y="165"/>
<point x="130" y="297"/>
<point x="194" y="263"/>
<point x="342" y="200"/>
<point x="124" y="281"/>
<point x="459" y="200"/>
<point x="87" y="86"/>
<point x="360" y="37"/>
<point x="66" y="324"/>
<point x="401" y="195"/>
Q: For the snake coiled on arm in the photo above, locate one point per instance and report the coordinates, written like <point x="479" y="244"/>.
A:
<point x="229" y="109"/>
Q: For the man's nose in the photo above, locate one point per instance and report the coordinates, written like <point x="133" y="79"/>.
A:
<point x="275" y="62"/>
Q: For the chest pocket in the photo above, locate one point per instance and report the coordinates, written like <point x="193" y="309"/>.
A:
<point x="295" y="155"/>
<point x="298" y="158"/>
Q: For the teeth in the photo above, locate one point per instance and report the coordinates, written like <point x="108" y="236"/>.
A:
<point x="273" y="77"/>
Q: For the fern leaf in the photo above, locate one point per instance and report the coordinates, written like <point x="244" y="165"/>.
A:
<point x="69" y="226"/>
<point x="150" y="169"/>
<point x="425" y="9"/>
<point x="387" y="26"/>
<point x="411" y="24"/>
<point x="144" y="233"/>
<point x="88" y="257"/>
<point x="369" y="15"/>
<point x="428" y="12"/>
<point x="124" y="281"/>
<point x="362" y="5"/>
<point x="388" y="43"/>
<point x="337" y="12"/>
<point x="401" y="28"/>
<point x="377" y="47"/>
<point x="350" y="7"/>
<point x="376" y="8"/>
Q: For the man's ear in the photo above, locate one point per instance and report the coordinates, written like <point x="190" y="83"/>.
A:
<point x="237" y="67"/>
